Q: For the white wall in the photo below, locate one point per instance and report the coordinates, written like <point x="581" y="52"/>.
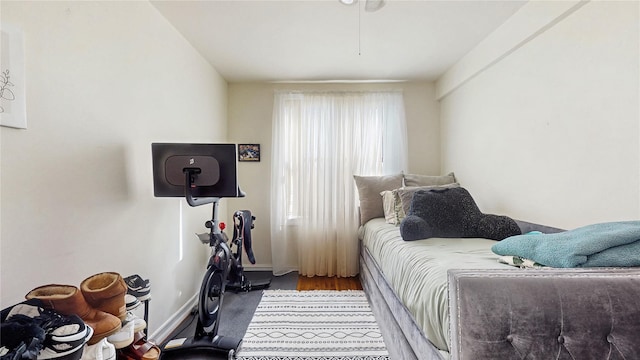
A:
<point x="104" y="81"/>
<point x="549" y="132"/>
<point x="250" y="113"/>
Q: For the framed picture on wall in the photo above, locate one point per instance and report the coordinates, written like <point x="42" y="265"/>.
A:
<point x="13" y="108"/>
<point x="248" y="152"/>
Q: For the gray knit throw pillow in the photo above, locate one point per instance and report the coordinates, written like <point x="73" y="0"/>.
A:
<point x="452" y="213"/>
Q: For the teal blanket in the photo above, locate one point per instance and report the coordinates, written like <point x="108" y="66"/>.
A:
<point x="598" y="245"/>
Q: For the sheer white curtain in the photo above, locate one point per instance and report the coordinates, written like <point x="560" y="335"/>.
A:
<point x="320" y="140"/>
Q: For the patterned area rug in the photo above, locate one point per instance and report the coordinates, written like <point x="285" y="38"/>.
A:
<point x="318" y="325"/>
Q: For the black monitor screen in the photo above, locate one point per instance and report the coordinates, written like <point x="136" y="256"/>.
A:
<point x="213" y="167"/>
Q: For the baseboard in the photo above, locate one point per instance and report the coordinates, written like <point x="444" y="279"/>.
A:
<point x="165" y="330"/>
<point x="257" y="267"/>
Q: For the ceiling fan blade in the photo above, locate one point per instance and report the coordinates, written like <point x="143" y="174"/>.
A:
<point x="373" y="5"/>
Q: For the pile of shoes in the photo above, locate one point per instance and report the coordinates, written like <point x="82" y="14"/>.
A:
<point x="70" y="323"/>
<point x="135" y="346"/>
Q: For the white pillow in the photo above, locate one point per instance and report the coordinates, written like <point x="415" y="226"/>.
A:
<point x="392" y="206"/>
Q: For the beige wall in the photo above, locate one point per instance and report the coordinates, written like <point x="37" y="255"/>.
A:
<point x="250" y="113"/>
<point x="104" y="81"/>
<point x="550" y="131"/>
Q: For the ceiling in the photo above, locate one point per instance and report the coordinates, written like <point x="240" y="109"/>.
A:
<point x="324" y="40"/>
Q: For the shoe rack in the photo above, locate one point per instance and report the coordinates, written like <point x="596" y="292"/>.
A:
<point x="146" y="316"/>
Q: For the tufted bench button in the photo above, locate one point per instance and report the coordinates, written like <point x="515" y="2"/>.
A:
<point x="560" y="339"/>
<point x="610" y="338"/>
<point x="510" y="338"/>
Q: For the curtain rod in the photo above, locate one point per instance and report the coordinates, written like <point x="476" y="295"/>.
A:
<point x="304" y="91"/>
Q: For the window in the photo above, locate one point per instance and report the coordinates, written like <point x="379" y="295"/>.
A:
<point x="320" y="140"/>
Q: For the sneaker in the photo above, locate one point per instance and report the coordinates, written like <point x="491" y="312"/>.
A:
<point x="138" y="287"/>
<point x="122" y="338"/>
<point x="102" y="350"/>
<point x="65" y="335"/>
<point x="22" y="338"/>
<point x="131" y="302"/>
<point x="138" y="324"/>
<point x="66" y="339"/>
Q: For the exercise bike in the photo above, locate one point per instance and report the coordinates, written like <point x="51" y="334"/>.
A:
<point x="204" y="174"/>
<point x="211" y="294"/>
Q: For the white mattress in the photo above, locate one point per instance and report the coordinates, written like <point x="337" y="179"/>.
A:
<point x="417" y="271"/>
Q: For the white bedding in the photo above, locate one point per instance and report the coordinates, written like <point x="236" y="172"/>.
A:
<point x="417" y="271"/>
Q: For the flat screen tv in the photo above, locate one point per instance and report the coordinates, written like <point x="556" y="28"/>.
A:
<point x="212" y="168"/>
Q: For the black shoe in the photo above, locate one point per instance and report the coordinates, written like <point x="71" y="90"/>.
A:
<point x="43" y="333"/>
<point x="22" y="338"/>
<point x="66" y="336"/>
<point x="138" y="287"/>
<point x="131" y="302"/>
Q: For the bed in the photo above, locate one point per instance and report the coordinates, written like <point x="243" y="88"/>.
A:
<point x="449" y="298"/>
<point x="498" y="311"/>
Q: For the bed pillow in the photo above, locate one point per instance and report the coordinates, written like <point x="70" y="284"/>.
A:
<point x="391" y="205"/>
<point x="405" y="195"/>
<point x="396" y="202"/>
<point x="452" y="213"/>
<point x="369" y="189"/>
<point x="427" y="180"/>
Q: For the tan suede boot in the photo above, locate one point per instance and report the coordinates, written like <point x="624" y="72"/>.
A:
<point x="68" y="300"/>
<point x="105" y="291"/>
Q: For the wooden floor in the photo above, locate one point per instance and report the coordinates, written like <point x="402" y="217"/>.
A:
<point x="328" y="283"/>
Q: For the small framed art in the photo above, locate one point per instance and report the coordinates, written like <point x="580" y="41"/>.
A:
<point x="248" y="152"/>
<point x="13" y="109"/>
